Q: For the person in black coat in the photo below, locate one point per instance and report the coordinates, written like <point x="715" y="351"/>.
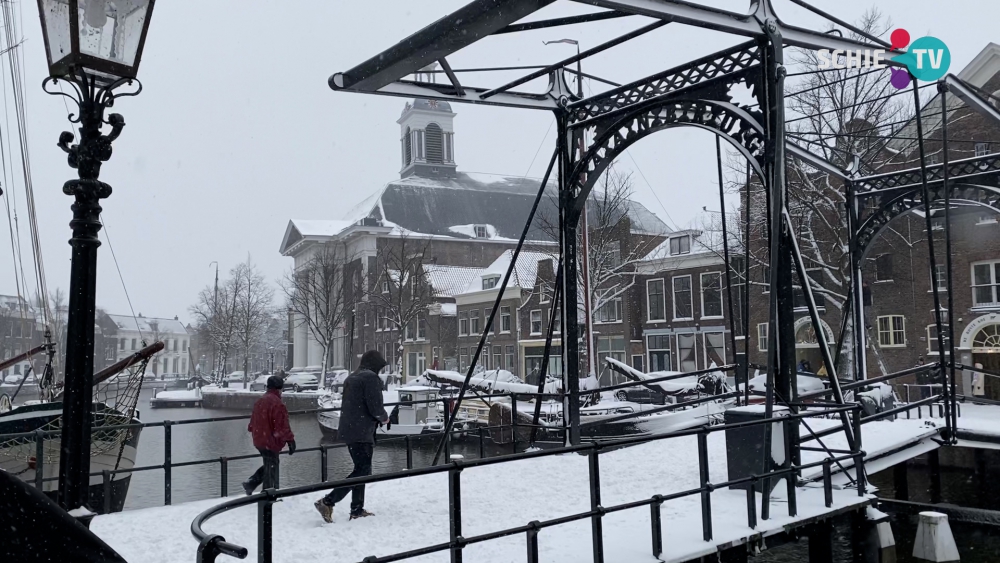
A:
<point x="361" y="413"/>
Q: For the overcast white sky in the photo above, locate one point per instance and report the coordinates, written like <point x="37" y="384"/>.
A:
<point x="237" y="131"/>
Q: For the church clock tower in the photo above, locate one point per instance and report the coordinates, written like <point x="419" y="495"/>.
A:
<point x="427" y="136"/>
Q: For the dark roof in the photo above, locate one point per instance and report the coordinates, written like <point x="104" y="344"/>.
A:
<point x="452" y="206"/>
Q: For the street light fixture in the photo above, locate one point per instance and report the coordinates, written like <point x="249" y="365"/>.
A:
<point x="95" y="47"/>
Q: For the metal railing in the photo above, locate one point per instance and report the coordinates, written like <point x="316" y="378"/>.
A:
<point x="212" y="545"/>
<point x="39" y="437"/>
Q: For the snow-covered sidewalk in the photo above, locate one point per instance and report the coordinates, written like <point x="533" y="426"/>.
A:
<point x="413" y="513"/>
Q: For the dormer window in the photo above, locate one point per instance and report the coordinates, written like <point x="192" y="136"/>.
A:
<point x="491" y="282"/>
<point x="482" y="231"/>
<point x="680" y="245"/>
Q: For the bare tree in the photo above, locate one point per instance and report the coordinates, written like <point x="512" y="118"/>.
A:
<point x="253" y="297"/>
<point x="842" y="115"/>
<point x="398" y="290"/>
<point x="316" y="293"/>
<point x="216" y="314"/>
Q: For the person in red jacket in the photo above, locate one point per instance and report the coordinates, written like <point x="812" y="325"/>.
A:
<point x="270" y="430"/>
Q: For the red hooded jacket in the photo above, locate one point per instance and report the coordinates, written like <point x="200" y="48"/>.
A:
<point x="269" y="422"/>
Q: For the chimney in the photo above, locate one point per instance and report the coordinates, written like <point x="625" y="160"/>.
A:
<point x="175" y="317"/>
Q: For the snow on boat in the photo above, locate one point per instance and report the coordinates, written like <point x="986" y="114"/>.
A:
<point x="186" y="398"/>
<point x="405" y="419"/>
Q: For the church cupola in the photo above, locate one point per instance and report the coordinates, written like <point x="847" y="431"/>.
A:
<point x="427" y="139"/>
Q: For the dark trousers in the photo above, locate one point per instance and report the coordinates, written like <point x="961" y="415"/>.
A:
<point x="267" y="473"/>
<point x="361" y="454"/>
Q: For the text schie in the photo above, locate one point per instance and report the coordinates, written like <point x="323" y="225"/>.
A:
<point x="873" y="58"/>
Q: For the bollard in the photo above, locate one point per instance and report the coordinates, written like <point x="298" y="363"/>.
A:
<point x="167" y="447"/>
<point x="934" y="541"/>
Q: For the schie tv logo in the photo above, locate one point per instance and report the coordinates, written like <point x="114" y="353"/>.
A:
<point x="927" y="59"/>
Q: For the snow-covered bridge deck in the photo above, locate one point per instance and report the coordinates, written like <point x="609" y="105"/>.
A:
<point x="413" y="512"/>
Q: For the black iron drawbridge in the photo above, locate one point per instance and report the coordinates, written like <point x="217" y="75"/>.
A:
<point x="593" y="131"/>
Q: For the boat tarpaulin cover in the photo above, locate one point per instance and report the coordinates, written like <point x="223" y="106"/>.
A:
<point x="36" y="529"/>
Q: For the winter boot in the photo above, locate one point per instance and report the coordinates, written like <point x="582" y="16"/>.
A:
<point x="325" y="510"/>
<point x="361" y="514"/>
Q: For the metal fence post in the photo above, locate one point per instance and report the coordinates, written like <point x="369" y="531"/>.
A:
<point x="409" y="452"/>
<point x="455" y="511"/>
<point x="827" y="484"/>
<point x="532" y="534"/>
<point x="706" y="486"/>
<point x="482" y="443"/>
<point x="223" y="477"/>
<point x="752" y="504"/>
<point x="264" y="527"/>
<point x="322" y="463"/>
<point x="596" y="525"/>
<point x="106" y="482"/>
<point x="513" y="420"/>
<point x="656" y="525"/>
<point x="39" y="459"/>
<point x="790" y="477"/>
<point x="167" y="447"/>
<point x="447" y="446"/>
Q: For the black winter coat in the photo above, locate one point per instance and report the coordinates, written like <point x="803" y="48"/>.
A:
<point x="361" y="408"/>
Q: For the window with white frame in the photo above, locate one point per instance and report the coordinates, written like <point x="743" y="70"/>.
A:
<point x="535" y="318"/>
<point x="941" y="277"/>
<point x="932" y="338"/>
<point x="765" y="278"/>
<point x="982" y="149"/>
<point x="463" y="359"/>
<point x="891" y="331"/>
<point x="511" y="359"/>
<point x="658" y="348"/>
<point x="486" y="318"/>
<point x="611" y="255"/>
<point x="683" y="308"/>
<point x="474" y="322"/>
<point x="421" y="329"/>
<point x="714" y="348"/>
<point x="463" y="323"/>
<point x="504" y="319"/>
<point x="610" y="310"/>
<point x="497" y="357"/>
<point x="680" y="245"/>
<point x="544" y="293"/>
<point x="655" y="301"/>
<point x="557" y="321"/>
<point x="985" y="282"/>
<point x="687" y="357"/>
<point x="711" y="294"/>
<point x="482" y="231"/>
<point x="490" y="282"/>
<point x="410" y="330"/>
<point x="883" y="268"/>
<point x="762" y="337"/>
<point x="385" y="286"/>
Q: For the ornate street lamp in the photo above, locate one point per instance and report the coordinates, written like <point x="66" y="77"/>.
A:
<point x="94" y="47"/>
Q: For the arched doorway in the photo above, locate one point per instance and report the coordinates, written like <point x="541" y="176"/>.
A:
<point x="982" y="338"/>
<point x="807" y="345"/>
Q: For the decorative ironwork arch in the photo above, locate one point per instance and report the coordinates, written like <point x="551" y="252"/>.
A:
<point x="962" y="194"/>
<point x="734" y="124"/>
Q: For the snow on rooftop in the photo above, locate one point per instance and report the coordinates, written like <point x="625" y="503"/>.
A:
<point x="320" y="228"/>
<point x="449" y="281"/>
<point x="524" y="275"/>
<point x="146" y="324"/>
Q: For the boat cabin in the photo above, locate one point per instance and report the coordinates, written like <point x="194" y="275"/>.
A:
<point x="421" y="412"/>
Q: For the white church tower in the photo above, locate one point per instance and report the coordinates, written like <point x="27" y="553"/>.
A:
<point x="427" y="139"/>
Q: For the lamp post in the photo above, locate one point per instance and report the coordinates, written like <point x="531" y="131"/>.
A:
<point x="93" y="46"/>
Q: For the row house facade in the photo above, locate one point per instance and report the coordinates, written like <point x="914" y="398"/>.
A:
<point x="130" y="332"/>
<point x="898" y="296"/>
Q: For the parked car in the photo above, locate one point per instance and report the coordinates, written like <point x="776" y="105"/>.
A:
<point x="301" y="381"/>
<point x="234" y="377"/>
<point x="640" y="394"/>
<point x="259" y="384"/>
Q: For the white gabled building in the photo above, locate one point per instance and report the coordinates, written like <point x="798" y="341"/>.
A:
<point x="175" y="357"/>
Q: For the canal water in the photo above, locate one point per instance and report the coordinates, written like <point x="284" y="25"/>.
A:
<point x="965" y="487"/>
